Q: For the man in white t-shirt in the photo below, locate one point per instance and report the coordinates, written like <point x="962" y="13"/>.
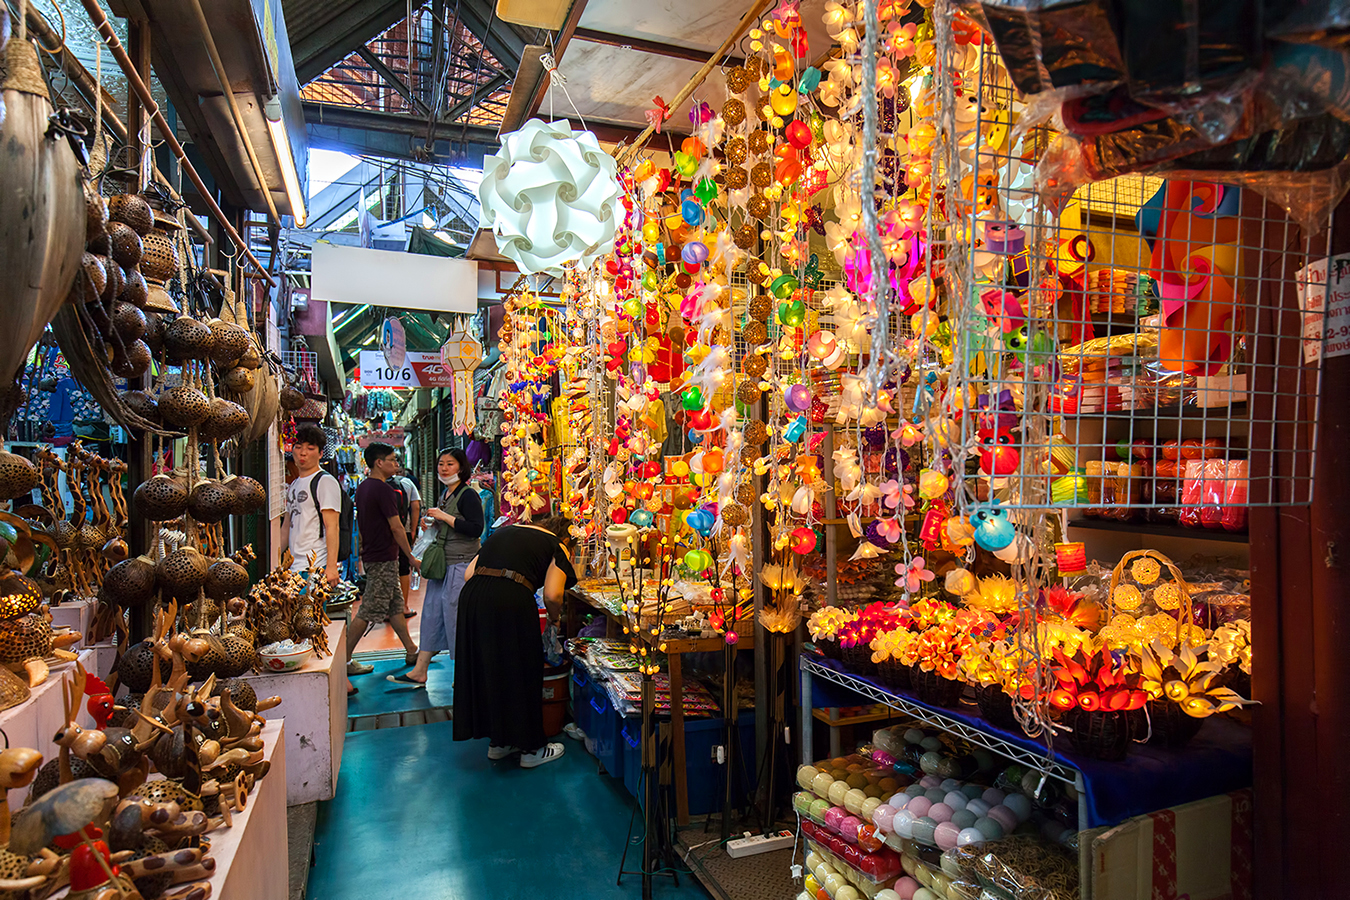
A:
<point x="303" y="531"/>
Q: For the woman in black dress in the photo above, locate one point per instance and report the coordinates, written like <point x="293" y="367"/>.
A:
<point x="499" y="652"/>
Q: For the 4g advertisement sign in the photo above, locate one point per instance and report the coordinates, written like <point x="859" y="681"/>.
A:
<point x="419" y="370"/>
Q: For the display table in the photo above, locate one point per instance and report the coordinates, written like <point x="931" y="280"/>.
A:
<point x="77" y="615"/>
<point x="34" y="722"/>
<point x="251" y="855"/>
<point x="314" y="705"/>
<point x="674" y="648"/>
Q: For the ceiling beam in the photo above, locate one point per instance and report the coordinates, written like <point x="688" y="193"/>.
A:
<point x="594" y="36"/>
<point x="560" y="43"/>
<point x="328" y="45"/>
<point x="468" y="103"/>
<point x="394" y="135"/>
<point x="480" y="17"/>
<point x="392" y="79"/>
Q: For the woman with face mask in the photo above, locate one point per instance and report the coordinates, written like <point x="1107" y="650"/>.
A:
<point x="459" y="518"/>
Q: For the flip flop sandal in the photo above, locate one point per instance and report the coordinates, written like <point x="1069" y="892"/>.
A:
<point x="404" y="679"/>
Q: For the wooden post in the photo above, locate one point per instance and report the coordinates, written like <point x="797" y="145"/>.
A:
<point x="1300" y="589"/>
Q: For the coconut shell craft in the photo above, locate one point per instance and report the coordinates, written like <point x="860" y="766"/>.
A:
<point x="182" y="572"/>
<point x="43" y="215"/>
<point x="160" y="498"/>
<point x="210" y="501"/>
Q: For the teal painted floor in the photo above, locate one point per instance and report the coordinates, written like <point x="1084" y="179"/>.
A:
<point x="376" y="696"/>
<point x="418" y="815"/>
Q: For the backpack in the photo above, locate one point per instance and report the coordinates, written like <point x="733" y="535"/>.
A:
<point x="399" y="483"/>
<point x="346" y="517"/>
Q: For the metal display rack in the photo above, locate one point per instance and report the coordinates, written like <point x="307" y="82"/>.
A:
<point x="1051" y="766"/>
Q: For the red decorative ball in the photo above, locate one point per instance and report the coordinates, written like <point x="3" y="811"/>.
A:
<point x="799" y="134"/>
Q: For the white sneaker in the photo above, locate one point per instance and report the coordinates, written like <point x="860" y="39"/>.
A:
<point x="572" y="731"/>
<point x="547" y="754"/>
<point x="501" y="752"/>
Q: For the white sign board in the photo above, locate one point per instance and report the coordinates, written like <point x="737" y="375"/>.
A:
<point x="1324" y="297"/>
<point x="419" y="370"/>
<point x="393" y="279"/>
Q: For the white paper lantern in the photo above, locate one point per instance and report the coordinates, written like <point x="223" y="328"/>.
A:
<point x="550" y="196"/>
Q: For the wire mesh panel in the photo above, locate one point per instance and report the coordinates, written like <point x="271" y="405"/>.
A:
<point x="305" y="365"/>
<point x="1132" y="345"/>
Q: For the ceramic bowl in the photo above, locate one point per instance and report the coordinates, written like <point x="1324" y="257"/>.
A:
<point x="285" y="662"/>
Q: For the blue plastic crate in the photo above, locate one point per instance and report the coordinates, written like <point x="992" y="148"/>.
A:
<point x="605" y="723"/>
<point x="703" y="776"/>
<point x="631" y="735"/>
<point x="581" y="699"/>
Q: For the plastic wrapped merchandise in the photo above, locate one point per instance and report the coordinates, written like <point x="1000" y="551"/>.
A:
<point x="1027" y="867"/>
<point x="1175" y="50"/>
<point x="1055" y="44"/>
<point x="1325" y="22"/>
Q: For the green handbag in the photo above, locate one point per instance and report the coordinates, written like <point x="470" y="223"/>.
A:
<point x="433" y="559"/>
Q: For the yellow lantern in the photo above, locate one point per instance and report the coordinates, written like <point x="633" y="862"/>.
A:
<point x="783" y="100"/>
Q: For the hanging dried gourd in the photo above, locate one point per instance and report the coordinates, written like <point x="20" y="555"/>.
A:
<point x="42" y="210"/>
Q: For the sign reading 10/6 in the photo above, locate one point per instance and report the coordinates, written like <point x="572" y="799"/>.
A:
<point x="419" y="370"/>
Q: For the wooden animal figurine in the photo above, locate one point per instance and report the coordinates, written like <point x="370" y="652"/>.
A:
<point x="25" y="643"/>
<point x="18" y="766"/>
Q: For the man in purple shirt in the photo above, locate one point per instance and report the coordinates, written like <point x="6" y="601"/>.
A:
<point x="382" y="540"/>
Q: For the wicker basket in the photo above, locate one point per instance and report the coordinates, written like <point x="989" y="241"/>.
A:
<point x="1099" y="734"/>
<point x="996" y="707"/>
<point x="858" y="659"/>
<point x="829" y="648"/>
<point x="1170" y="727"/>
<point x="933" y="689"/>
<point x="894" y="673"/>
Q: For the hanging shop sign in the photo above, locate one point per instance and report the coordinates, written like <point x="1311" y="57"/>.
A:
<point x="394" y="342"/>
<point x="394" y="437"/>
<point x="1324" y="298"/>
<point x="418" y="370"/>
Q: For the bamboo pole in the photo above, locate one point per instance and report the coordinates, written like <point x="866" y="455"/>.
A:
<point x="100" y="22"/>
<point x="761" y="6"/>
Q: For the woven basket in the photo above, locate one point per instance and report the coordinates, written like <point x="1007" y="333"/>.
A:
<point x="858" y="659"/>
<point x="933" y="689"/>
<point x="1099" y="734"/>
<point x="1171" y="727"/>
<point x="996" y="707"/>
<point x="1185" y="613"/>
<point x="829" y="648"/>
<point x="894" y="673"/>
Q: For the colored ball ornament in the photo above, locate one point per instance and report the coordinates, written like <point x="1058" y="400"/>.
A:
<point x="803" y="540"/>
<point x="697" y="560"/>
<point x="651" y="232"/>
<point x="759" y="141"/>
<point x="821" y="344"/>
<point x="758" y="206"/>
<point x="705" y="191"/>
<point x="998" y="457"/>
<point x="642" y="518"/>
<point x="993" y="531"/>
<point x="754" y="365"/>
<point x="633" y="306"/>
<point x="695" y="252"/>
<point x="783" y="100"/>
<point x="691" y="398"/>
<point x="733" y="112"/>
<point x="732" y="638"/>
<point x="761" y="176"/>
<point x="932" y="484"/>
<point x="792" y="313"/>
<point x="692" y="212"/>
<point x="799" y="134"/>
<point x="1070" y="490"/>
<point x="713" y="461"/>
<point x="798" y="398"/>
<point x="783" y="286"/>
<point x="650" y="280"/>
<point x="701" y="521"/>
<point x="685" y="164"/>
<point x="736" y="178"/>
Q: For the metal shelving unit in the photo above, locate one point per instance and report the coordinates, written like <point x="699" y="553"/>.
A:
<point x="1046" y="763"/>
